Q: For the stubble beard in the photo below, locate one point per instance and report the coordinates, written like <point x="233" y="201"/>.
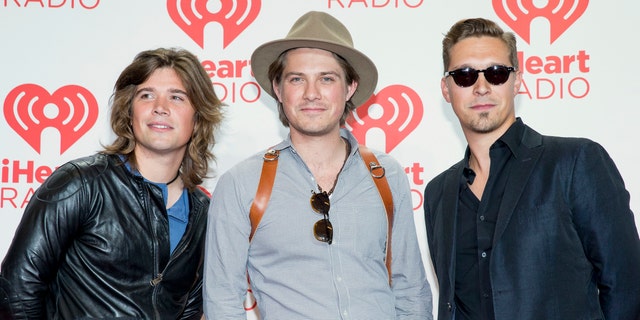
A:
<point x="483" y="124"/>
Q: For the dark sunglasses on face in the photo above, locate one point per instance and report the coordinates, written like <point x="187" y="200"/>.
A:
<point x="322" y="230"/>
<point x="466" y="77"/>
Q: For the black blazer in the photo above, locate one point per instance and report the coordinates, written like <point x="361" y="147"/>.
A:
<point x="565" y="244"/>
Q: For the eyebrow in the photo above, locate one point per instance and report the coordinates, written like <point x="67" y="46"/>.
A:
<point x="337" y="74"/>
<point x="180" y="91"/>
<point x="323" y="73"/>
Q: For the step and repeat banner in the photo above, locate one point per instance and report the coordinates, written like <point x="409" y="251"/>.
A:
<point x="66" y="55"/>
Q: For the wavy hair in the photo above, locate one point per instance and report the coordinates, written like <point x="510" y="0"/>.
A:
<point x="208" y="109"/>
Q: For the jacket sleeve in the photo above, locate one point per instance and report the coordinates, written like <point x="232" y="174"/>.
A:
<point x="47" y="228"/>
<point x="606" y="226"/>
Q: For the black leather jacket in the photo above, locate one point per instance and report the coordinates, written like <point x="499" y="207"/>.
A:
<point x="94" y="243"/>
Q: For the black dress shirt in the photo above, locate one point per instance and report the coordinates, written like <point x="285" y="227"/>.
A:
<point x="476" y="221"/>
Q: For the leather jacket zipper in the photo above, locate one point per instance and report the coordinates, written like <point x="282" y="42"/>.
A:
<point x="154" y="282"/>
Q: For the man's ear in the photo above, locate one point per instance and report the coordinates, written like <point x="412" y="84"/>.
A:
<point x="351" y="89"/>
<point x="444" y="88"/>
<point x="517" y="83"/>
<point x="276" y="90"/>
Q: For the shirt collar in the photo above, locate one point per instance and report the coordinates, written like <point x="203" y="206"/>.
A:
<point x="512" y="138"/>
<point x="178" y="209"/>
<point x="286" y="143"/>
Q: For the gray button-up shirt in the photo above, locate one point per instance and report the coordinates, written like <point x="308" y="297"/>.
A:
<point x="293" y="275"/>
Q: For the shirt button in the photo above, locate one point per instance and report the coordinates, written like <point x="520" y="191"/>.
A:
<point x="484" y="254"/>
<point x="481" y="218"/>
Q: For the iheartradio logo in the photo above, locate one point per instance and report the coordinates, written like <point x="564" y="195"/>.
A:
<point x="518" y="15"/>
<point x="396" y="110"/>
<point x="192" y="16"/>
<point x="29" y="109"/>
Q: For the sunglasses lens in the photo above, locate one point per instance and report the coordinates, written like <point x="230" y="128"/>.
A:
<point x="465" y="77"/>
<point x="497" y="75"/>
<point x="323" y="230"/>
<point x="320" y="202"/>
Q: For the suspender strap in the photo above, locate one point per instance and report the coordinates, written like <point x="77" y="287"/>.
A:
<point x="377" y="173"/>
<point x="265" y="186"/>
<point x="268" y="175"/>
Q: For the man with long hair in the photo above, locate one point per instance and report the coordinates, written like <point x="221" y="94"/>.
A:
<point x="120" y="234"/>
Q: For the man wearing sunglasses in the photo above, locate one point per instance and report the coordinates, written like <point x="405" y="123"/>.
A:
<point x="526" y="226"/>
<point x="319" y="249"/>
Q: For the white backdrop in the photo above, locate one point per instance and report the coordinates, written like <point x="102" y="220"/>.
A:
<point x="67" y="54"/>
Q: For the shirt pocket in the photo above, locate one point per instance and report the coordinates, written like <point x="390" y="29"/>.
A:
<point x="362" y="229"/>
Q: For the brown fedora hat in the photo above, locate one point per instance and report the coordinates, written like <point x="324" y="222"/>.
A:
<point x="317" y="30"/>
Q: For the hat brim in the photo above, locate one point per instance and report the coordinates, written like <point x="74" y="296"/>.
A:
<point x="267" y="53"/>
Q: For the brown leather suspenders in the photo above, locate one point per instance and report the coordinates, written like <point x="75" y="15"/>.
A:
<point x="378" y="175"/>
<point x="264" y="189"/>
<point x="269" y="173"/>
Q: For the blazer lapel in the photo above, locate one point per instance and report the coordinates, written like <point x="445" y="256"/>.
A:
<point x="527" y="156"/>
<point x="449" y="213"/>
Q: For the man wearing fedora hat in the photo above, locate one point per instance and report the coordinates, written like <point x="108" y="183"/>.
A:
<point x="319" y="250"/>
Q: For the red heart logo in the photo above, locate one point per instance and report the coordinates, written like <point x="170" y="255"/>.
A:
<point x="29" y="109"/>
<point x="234" y="16"/>
<point x="561" y="14"/>
<point x="402" y="111"/>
